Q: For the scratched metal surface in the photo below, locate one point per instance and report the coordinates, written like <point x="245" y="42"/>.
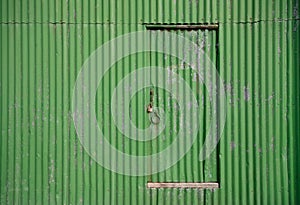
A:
<point x="43" y="46"/>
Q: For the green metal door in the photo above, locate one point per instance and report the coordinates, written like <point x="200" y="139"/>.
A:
<point x="189" y="168"/>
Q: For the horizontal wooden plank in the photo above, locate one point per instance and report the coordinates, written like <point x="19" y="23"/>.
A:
<point x="203" y="185"/>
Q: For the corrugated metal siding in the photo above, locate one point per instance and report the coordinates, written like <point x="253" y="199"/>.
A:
<point x="44" y="44"/>
<point x="127" y="12"/>
<point x="259" y="134"/>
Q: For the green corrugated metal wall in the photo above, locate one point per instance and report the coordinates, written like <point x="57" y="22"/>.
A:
<point x="43" y="46"/>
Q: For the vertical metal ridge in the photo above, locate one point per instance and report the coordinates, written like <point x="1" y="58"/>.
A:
<point x="2" y="111"/>
<point x="290" y="116"/>
<point x="21" y="114"/>
<point x="296" y="63"/>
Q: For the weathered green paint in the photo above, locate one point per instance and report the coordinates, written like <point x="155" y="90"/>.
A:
<point x="43" y="46"/>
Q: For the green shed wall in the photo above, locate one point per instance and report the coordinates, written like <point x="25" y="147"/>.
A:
<point x="43" y="46"/>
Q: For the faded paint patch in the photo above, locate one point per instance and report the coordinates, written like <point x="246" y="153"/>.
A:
<point x="246" y="93"/>
<point x="229" y="90"/>
<point x="232" y="145"/>
<point x="272" y="144"/>
<point x="271" y="96"/>
<point x="295" y="11"/>
<point x="278" y="47"/>
<point x="51" y="170"/>
<point x="258" y="148"/>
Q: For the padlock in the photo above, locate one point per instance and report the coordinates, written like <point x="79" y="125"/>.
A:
<point x="149" y="108"/>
